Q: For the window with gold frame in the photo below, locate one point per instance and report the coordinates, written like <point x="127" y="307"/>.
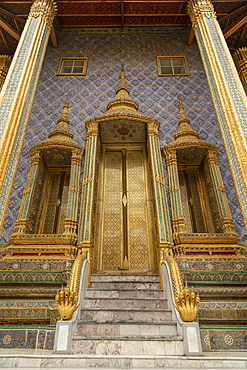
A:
<point x="172" y="66"/>
<point x="72" y="66"/>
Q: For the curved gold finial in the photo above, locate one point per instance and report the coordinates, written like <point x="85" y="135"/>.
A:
<point x="67" y="298"/>
<point x="186" y="300"/>
<point x="66" y="303"/>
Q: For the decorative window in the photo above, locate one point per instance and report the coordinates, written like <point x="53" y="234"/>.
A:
<point x="73" y="66"/>
<point x="172" y="66"/>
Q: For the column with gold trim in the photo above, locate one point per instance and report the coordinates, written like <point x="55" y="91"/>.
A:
<point x="164" y="224"/>
<point x="21" y="223"/>
<point x="85" y="223"/>
<point x="18" y="92"/>
<point x="220" y="193"/>
<point x="73" y="196"/>
<point x="227" y="91"/>
<point x="176" y="203"/>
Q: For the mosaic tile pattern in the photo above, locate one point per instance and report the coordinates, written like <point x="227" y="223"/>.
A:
<point x="89" y="95"/>
<point x="27" y="338"/>
<point x="222" y="264"/>
<point x="223" y="339"/>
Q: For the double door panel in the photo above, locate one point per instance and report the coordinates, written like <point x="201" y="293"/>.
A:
<point x="125" y="239"/>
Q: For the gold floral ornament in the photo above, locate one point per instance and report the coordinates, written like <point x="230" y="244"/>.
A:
<point x="67" y="298"/>
<point x="187" y="302"/>
<point x="66" y="303"/>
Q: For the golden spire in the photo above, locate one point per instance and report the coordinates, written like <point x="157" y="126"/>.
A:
<point x="122" y="89"/>
<point x="62" y="130"/>
<point x="185" y="132"/>
<point x="122" y="100"/>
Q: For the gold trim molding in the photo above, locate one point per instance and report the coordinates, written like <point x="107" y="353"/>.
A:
<point x="197" y="9"/>
<point x="46" y="9"/>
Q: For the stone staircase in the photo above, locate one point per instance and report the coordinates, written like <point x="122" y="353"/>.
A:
<point x="126" y="315"/>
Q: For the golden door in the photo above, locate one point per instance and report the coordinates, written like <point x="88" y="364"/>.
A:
<point x="125" y="222"/>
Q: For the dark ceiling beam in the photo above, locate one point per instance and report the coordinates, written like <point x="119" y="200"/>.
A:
<point x="190" y="36"/>
<point x="14" y="16"/>
<point x="230" y="15"/>
<point x="17" y="25"/>
<point x="243" y="31"/>
<point x="6" y="43"/>
<point x="122" y="13"/>
<point x="54" y="39"/>
<point x="233" y="27"/>
<point x="126" y="15"/>
<point x="127" y="25"/>
<point x="8" y="28"/>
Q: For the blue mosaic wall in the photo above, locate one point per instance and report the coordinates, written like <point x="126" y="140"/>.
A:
<point x="89" y="95"/>
<point x="27" y="338"/>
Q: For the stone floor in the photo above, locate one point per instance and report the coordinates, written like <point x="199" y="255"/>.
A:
<point x="46" y="360"/>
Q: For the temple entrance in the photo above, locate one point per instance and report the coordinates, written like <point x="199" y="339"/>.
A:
<point x="125" y="208"/>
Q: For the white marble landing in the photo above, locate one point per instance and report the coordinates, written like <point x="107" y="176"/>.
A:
<point x="36" y="359"/>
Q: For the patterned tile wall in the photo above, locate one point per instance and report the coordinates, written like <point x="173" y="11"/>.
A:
<point x="218" y="339"/>
<point x="89" y="95"/>
<point x="27" y="338"/>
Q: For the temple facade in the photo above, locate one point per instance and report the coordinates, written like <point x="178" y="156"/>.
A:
<point x="123" y="150"/>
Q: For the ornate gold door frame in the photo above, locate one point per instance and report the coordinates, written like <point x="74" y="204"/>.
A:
<point x="124" y="235"/>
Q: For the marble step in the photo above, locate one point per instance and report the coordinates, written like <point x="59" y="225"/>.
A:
<point x="128" y="346"/>
<point x="125" y="315"/>
<point x="125" y="277"/>
<point x="125" y="293"/>
<point x="27" y="361"/>
<point x="125" y="303"/>
<point x="128" y="285"/>
<point x="126" y="329"/>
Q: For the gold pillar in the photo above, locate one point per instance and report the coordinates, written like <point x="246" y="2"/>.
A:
<point x="227" y="91"/>
<point x="73" y="196"/>
<point x="18" y="92"/>
<point x="5" y="62"/>
<point x="220" y="193"/>
<point x="175" y="195"/>
<point x="85" y="223"/>
<point x="21" y="223"/>
<point x="164" y="223"/>
<point x="240" y="59"/>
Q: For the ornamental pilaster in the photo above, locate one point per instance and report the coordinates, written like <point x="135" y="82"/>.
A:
<point x="175" y="195"/>
<point x="220" y="193"/>
<point x="226" y="89"/>
<point x="88" y="183"/>
<point x="73" y="196"/>
<point x="21" y="223"/>
<point x="18" y="92"/>
<point x="164" y="224"/>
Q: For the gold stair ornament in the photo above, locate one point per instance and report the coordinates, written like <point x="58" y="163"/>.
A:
<point x="187" y="300"/>
<point x="187" y="304"/>
<point x="67" y="298"/>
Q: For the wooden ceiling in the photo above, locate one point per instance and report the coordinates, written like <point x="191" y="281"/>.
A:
<point x="232" y="16"/>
